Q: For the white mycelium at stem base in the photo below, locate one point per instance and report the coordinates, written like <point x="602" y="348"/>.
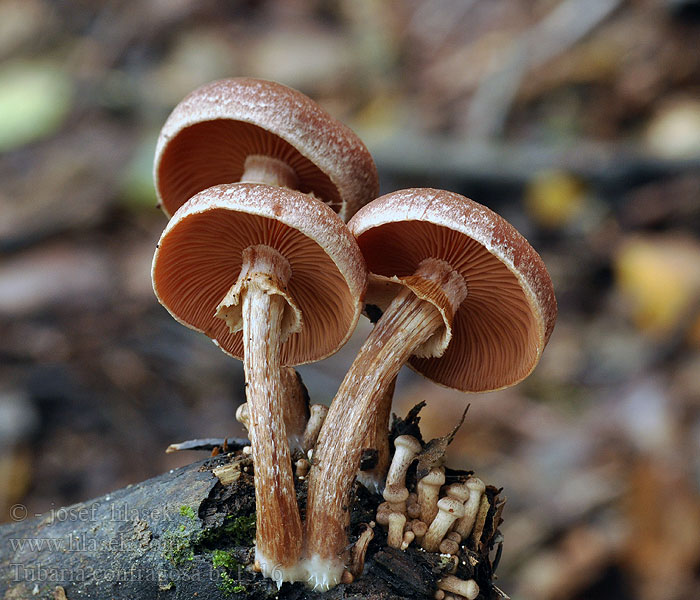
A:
<point x="257" y="302"/>
<point x="406" y="327"/>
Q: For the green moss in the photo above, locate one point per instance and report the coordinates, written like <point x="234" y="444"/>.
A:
<point x="188" y="511"/>
<point x="224" y="559"/>
<point x="229" y="585"/>
<point x="178" y="548"/>
<point x="183" y="544"/>
<point x="240" y="530"/>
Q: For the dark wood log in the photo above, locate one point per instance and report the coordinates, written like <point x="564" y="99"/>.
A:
<point x="184" y="535"/>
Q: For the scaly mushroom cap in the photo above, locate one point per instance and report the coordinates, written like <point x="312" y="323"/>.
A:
<point x="208" y="136"/>
<point x="501" y="329"/>
<point x="200" y="253"/>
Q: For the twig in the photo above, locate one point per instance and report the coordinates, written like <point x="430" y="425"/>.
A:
<point x="209" y="444"/>
<point x="562" y="28"/>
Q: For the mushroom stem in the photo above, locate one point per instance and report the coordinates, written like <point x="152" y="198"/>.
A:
<point x="428" y="490"/>
<point x="468" y="588"/>
<point x="318" y="413"/>
<point x="407" y="448"/>
<point x="408" y="323"/>
<point x="397" y="521"/>
<point x="263" y="311"/>
<point x="374" y="479"/>
<point x="259" y="168"/>
<point x="449" y="510"/>
<point x="295" y="407"/>
<point x="471" y="507"/>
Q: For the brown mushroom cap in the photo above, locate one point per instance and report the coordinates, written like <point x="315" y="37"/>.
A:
<point x="200" y="253"/>
<point x="208" y="136"/>
<point x="503" y="325"/>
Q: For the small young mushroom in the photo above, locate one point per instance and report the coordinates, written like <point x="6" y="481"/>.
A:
<point x="295" y="407"/>
<point x="396" y="496"/>
<point x="317" y="414"/>
<point x="428" y="489"/>
<point x="302" y="467"/>
<point x="467" y="588"/>
<point x="397" y="522"/>
<point x="258" y="131"/>
<point x="412" y="506"/>
<point x="274" y="278"/>
<point x="383" y="512"/>
<point x="458" y="491"/>
<point x="454" y="536"/>
<point x="359" y="551"/>
<point x="448" y="546"/>
<point x="419" y="528"/>
<point x="480" y="521"/>
<point x="406" y="448"/>
<point x="449" y="510"/>
<point x="242" y="415"/>
<point x="395" y="492"/>
<point x="408" y="538"/>
<point x="471" y="507"/>
<point x="474" y="310"/>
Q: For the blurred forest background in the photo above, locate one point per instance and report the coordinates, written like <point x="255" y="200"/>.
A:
<point x="577" y="120"/>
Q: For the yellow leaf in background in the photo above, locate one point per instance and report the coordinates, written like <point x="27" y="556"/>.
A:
<point x="35" y="98"/>
<point x="554" y="198"/>
<point x="659" y="279"/>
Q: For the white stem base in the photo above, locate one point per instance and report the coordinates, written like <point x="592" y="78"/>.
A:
<point x="322" y="573"/>
<point x="272" y="569"/>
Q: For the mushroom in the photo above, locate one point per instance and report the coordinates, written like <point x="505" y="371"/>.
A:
<point x="419" y="528"/>
<point x="474" y="310"/>
<point x="396" y="492"/>
<point x="274" y="278"/>
<point x="428" y="489"/>
<point x="449" y="510"/>
<point x="408" y="538"/>
<point x="318" y="413"/>
<point x="252" y="130"/>
<point x="295" y="408"/>
<point x="397" y="522"/>
<point x="480" y="521"/>
<point x="406" y="448"/>
<point x="471" y="507"/>
<point x="412" y="506"/>
<point x="448" y="546"/>
<point x="458" y="491"/>
<point x="383" y="512"/>
<point x="359" y="550"/>
<point x="396" y="496"/>
<point x="378" y="439"/>
<point x="467" y="588"/>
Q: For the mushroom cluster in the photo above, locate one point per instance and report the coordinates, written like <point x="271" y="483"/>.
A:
<point x="258" y="181"/>
<point x="467" y="302"/>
